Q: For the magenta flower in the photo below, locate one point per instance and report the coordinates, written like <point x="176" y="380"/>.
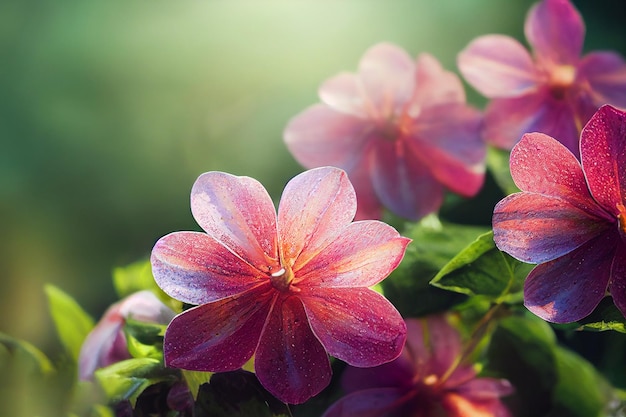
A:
<point x="555" y="91"/>
<point x="106" y="343"/>
<point x="399" y="128"/>
<point x="426" y="380"/>
<point x="569" y="219"/>
<point x="287" y="288"/>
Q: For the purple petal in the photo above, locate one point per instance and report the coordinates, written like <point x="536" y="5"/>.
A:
<point x="402" y="183"/>
<point x="377" y="402"/>
<point x="433" y="344"/>
<point x="537" y="228"/>
<point x="356" y="325"/>
<point x="321" y="136"/>
<point x="398" y="373"/>
<point x="387" y="76"/>
<point x="482" y="389"/>
<point x="556" y="31"/>
<point x="456" y="405"/>
<point x="434" y="85"/>
<point x="290" y="362"/>
<point x="447" y="140"/>
<point x="362" y="256"/>
<point x="603" y="157"/>
<point x="368" y="205"/>
<point x="498" y="66"/>
<point x="238" y="212"/>
<point x="195" y="268"/>
<point x="606" y="74"/>
<point x="344" y="94"/>
<point x="506" y="120"/>
<point x="314" y="209"/>
<point x="219" y="336"/>
<point x="617" y="282"/>
<point x="568" y="288"/>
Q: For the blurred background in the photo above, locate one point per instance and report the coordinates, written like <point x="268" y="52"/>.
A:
<point x="110" y="110"/>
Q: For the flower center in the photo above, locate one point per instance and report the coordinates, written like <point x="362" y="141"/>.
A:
<point x="281" y="279"/>
<point x="561" y="79"/>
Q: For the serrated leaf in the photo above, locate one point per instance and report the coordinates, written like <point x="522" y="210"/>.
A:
<point x="127" y="379"/>
<point x="72" y="323"/>
<point x="138" y="277"/>
<point x="604" y="317"/>
<point x="498" y="163"/>
<point x="482" y="269"/>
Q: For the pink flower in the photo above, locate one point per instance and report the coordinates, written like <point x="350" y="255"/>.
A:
<point x="287" y="288"/>
<point x="555" y="91"/>
<point x="569" y="218"/>
<point x="426" y="380"/>
<point x="106" y="343"/>
<point x="399" y="128"/>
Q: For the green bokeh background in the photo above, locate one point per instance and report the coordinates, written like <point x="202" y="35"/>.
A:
<point x="110" y="110"/>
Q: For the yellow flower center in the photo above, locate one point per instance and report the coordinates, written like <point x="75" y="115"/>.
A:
<point x="281" y="279"/>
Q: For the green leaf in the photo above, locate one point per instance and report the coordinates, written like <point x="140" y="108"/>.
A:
<point x="433" y="245"/>
<point x="72" y="323"/>
<point x="482" y="269"/>
<point x="195" y="379"/>
<point x="144" y="340"/>
<point x="127" y="379"/>
<point x="138" y="277"/>
<point x="498" y="164"/>
<point x="604" y="317"/>
<point x="22" y="355"/>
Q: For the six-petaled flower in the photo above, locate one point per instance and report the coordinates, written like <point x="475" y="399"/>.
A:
<point x="286" y="287"/>
<point x="555" y="91"/>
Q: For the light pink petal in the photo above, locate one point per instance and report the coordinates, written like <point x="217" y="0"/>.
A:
<point x="238" y="212"/>
<point x="556" y="31"/>
<point x="145" y="306"/>
<point x="606" y="74"/>
<point x="376" y="402"/>
<point x="362" y="256"/>
<point x="617" y="282"/>
<point x="344" y="94"/>
<point x="290" y="362"/>
<point x="321" y="136"/>
<point x="434" y="85"/>
<point x="568" y="288"/>
<point x="457" y="405"/>
<point x="403" y="184"/>
<point x="506" y="120"/>
<point x="482" y="389"/>
<point x="538" y="228"/>
<point x="498" y="66"/>
<point x="219" y="336"/>
<point x="195" y="268"/>
<point x="104" y="345"/>
<point x="368" y="205"/>
<point x="387" y="77"/>
<point x="356" y="325"/>
<point x="603" y="157"/>
<point x="433" y="345"/>
<point x="447" y="140"/>
<point x="314" y="209"/>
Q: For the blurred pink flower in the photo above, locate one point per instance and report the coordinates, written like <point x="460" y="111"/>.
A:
<point x="555" y="91"/>
<point x="287" y="288"/>
<point x="106" y="343"/>
<point x="426" y="380"/>
<point x="569" y="218"/>
<point x="399" y="128"/>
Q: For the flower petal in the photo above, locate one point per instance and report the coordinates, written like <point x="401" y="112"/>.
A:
<point x="507" y="119"/>
<point x="376" y="402"/>
<point x="290" y="362"/>
<point x="537" y="228"/>
<point x="447" y="139"/>
<point x="606" y="74"/>
<point x="314" y="209"/>
<point x="402" y="183"/>
<point x="195" y="268"/>
<point x="434" y="85"/>
<point x="570" y="287"/>
<point x="482" y="389"/>
<point x="398" y="373"/>
<point x="219" y="336"/>
<point x="498" y="66"/>
<point x="239" y="213"/>
<point x="387" y="76"/>
<point x="362" y="256"/>
<point x="321" y="136"/>
<point x="356" y="325"/>
<point x="603" y="157"/>
<point x="617" y="282"/>
<point x="433" y="344"/>
<point x="556" y="31"/>
<point x="368" y="205"/>
<point x="342" y="93"/>
<point x="459" y="406"/>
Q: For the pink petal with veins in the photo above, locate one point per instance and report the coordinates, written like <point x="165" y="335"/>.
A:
<point x="434" y="345"/>
<point x="498" y="66"/>
<point x="617" y="282"/>
<point x="434" y="85"/>
<point x="606" y="74"/>
<point x="344" y="94"/>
